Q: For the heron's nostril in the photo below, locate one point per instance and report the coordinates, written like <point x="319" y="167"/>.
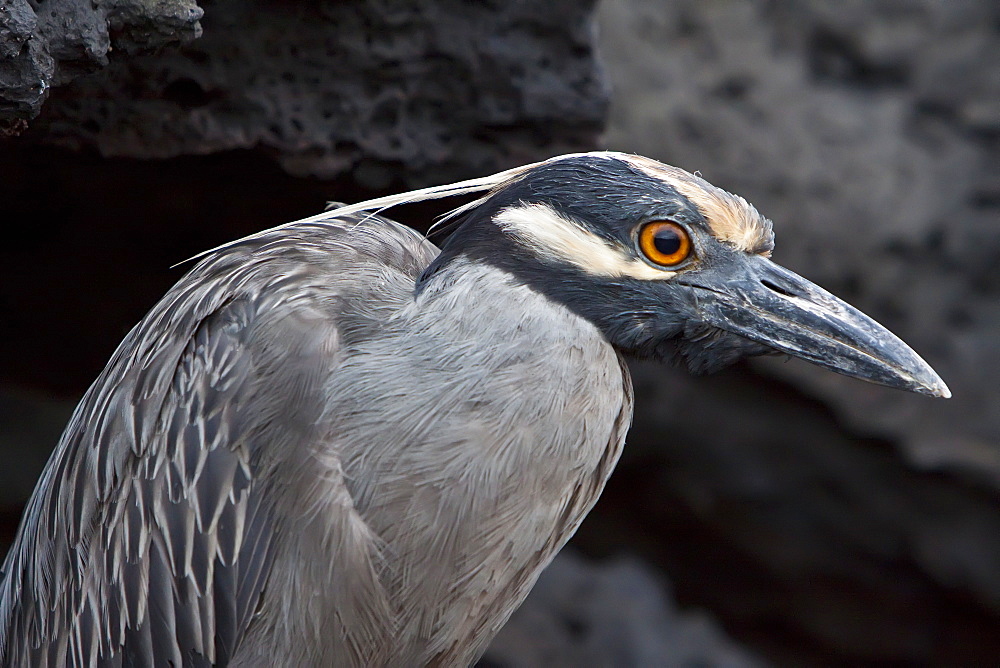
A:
<point x="777" y="288"/>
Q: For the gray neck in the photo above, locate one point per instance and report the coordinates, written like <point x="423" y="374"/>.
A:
<point x="477" y="366"/>
<point x="472" y="434"/>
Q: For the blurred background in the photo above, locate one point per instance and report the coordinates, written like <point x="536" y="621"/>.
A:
<point x="771" y="514"/>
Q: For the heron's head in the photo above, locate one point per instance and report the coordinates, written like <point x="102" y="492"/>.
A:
<point x="667" y="265"/>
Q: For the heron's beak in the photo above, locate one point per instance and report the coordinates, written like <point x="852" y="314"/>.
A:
<point x="764" y="302"/>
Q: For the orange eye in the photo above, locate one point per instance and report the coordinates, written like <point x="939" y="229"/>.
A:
<point x="666" y="244"/>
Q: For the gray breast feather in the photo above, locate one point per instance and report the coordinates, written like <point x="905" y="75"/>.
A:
<point x="146" y="540"/>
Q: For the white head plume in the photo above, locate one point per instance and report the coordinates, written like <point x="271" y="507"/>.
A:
<point x="487" y="184"/>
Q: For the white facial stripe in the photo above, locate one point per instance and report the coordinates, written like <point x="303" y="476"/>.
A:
<point x="549" y="234"/>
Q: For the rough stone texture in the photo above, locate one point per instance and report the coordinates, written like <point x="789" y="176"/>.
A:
<point x="613" y="614"/>
<point x="870" y="133"/>
<point x="46" y="44"/>
<point x="25" y="65"/>
<point x="423" y="90"/>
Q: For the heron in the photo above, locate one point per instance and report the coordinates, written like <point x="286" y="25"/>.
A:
<point x="335" y="443"/>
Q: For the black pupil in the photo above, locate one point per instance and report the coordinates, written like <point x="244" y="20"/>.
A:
<point x="667" y="241"/>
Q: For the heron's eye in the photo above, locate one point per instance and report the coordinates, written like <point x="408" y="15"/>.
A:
<point x="664" y="243"/>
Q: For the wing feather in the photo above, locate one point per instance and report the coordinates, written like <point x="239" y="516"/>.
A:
<point x="151" y="530"/>
<point x="148" y="540"/>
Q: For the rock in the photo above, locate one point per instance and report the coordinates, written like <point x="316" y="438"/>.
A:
<point x="425" y="92"/>
<point x="50" y="44"/>
<point x="868" y="132"/>
<point x="617" y="613"/>
<point x="25" y="67"/>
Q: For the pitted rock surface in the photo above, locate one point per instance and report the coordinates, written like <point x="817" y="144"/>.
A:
<point x="47" y="44"/>
<point x="428" y="91"/>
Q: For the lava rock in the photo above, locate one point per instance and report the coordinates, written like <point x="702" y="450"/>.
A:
<point x="49" y="44"/>
<point x="866" y="520"/>
<point x="616" y="613"/>
<point x="426" y="91"/>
